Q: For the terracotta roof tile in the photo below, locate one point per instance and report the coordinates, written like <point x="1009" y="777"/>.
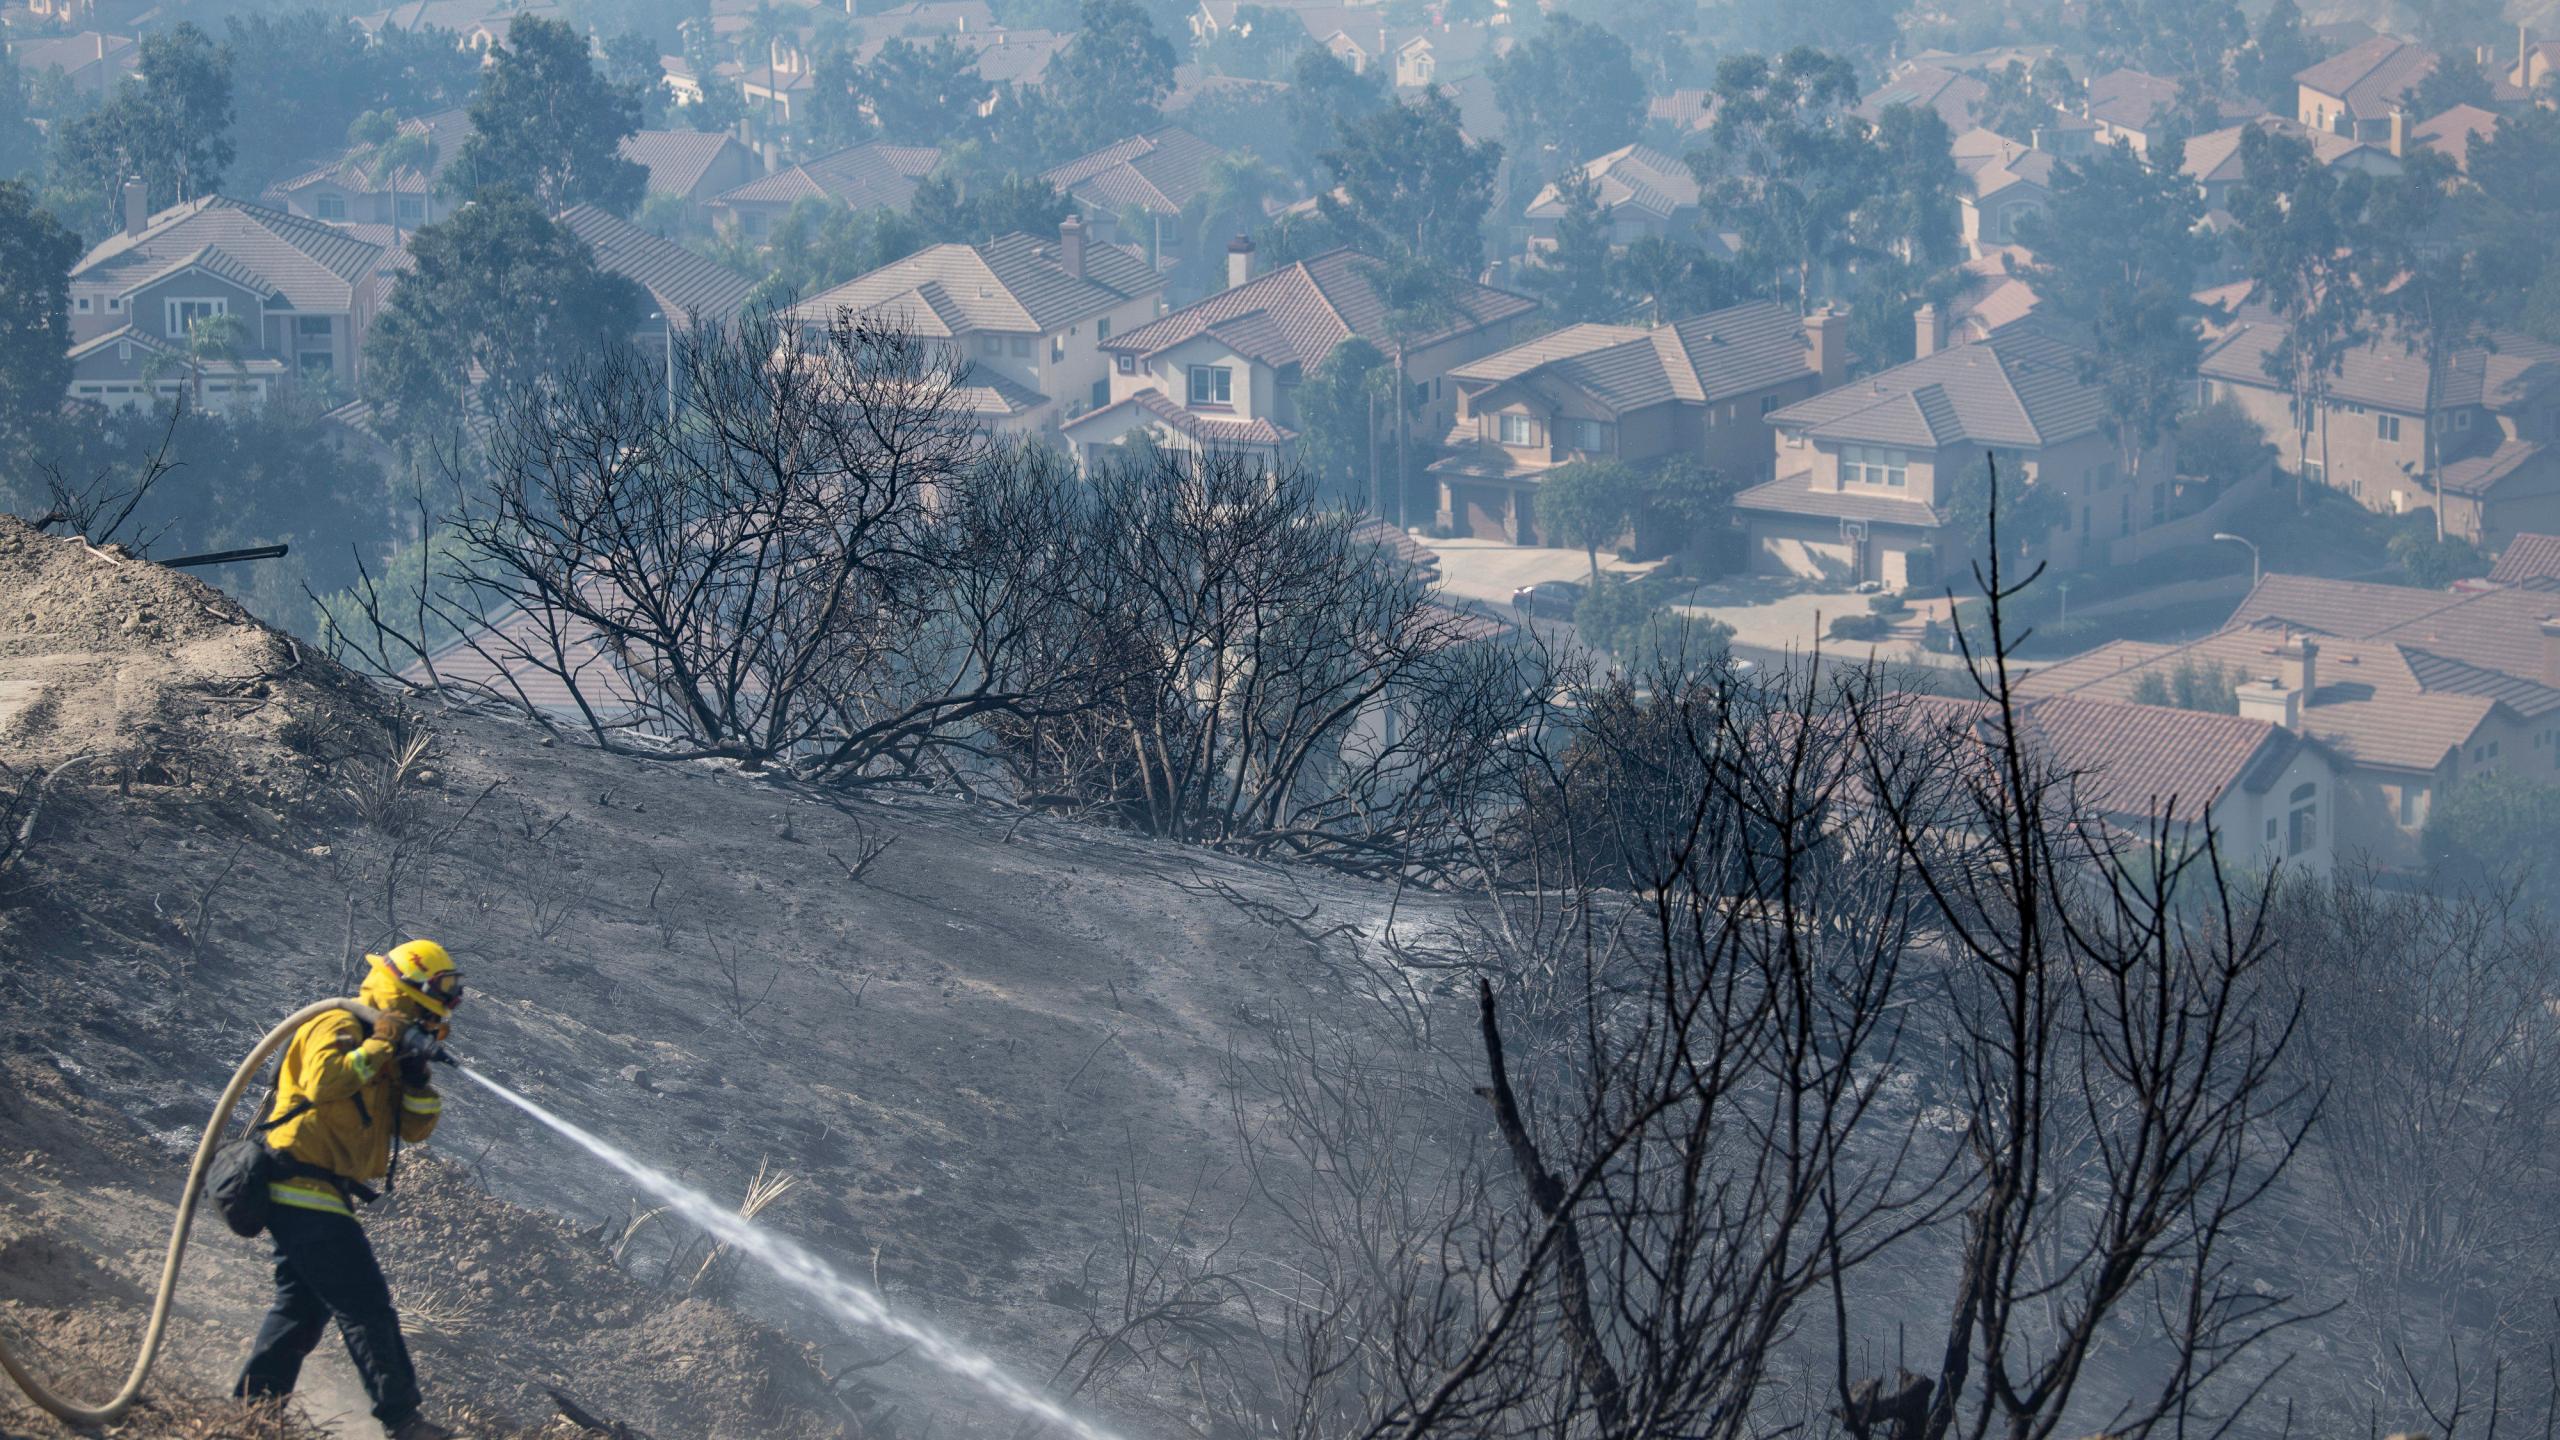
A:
<point x="1312" y="306"/>
<point x="1160" y="172"/>
<point x="682" y="283"/>
<point x="2528" y="557"/>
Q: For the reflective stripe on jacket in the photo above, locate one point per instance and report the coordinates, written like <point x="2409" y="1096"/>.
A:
<point x="309" y="1195"/>
<point x="353" y="1085"/>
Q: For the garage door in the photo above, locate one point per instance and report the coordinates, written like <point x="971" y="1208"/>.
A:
<point x="1483" y="517"/>
<point x="1779" y="554"/>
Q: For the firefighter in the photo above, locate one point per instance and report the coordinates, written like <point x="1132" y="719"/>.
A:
<point x="344" y="1093"/>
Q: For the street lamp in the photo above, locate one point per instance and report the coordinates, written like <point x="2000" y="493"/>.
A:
<point x="2253" y="554"/>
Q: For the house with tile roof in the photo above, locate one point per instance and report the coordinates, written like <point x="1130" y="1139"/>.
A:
<point x="2534" y="558"/>
<point x="2006" y="183"/>
<point x="684" y="287"/>
<point x="476" y="24"/>
<point x="91" y="62"/>
<point x="1446" y="53"/>
<point x="2357" y="92"/>
<point x="1958" y="97"/>
<point x="2453" y="133"/>
<point x="1026" y="313"/>
<point x="2212" y="159"/>
<point x="1644" y="191"/>
<point x="2269" y="793"/>
<point x="859" y="177"/>
<point x="1223" y="373"/>
<point x="2413" y="692"/>
<point x="358" y="187"/>
<point x="1867" y="472"/>
<point x="692" y="166"/>
<point x="304" y="291"/>
<point x="1148" y="181"/>
<point x="1698" y="388"/>
<point x="2496" y="407"/>
<point x="2129" y="107"/>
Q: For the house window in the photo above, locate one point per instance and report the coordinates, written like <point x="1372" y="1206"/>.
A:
<point x="2386" y="427"/>
<point x="2412" y="797"/>
<point x="315" y="327"/>
<point x="316" y="362"/>
<point x="1597" y="437"/>
<point x="2302" y="826"/>
<point x="990" y="344"/>
<point x="1212" y="385"/>
<point x="1057" y="348"/>
<point x="331" y="207"/>
<point x="115" y="302"/>
<point x="1101" y="329"/>
<point x="1518" y="429"/>
<point x="411" y="209"/>
<point x="81" y="304"/>
<point x="1873" y="465"/>
<point x="1021" y="347"/>
<point x="1768" y="403"/>
<point x="1128" y="364"/>
<point x="183" y="313"/>
<point x="2461" y="419"/>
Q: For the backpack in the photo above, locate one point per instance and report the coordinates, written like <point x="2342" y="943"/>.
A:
<point x="236" y="1182"/>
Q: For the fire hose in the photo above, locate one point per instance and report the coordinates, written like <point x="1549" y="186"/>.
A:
<point x="71" y="1413"/>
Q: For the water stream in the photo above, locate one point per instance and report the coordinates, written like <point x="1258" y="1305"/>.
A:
<point x="796" y="1266"/>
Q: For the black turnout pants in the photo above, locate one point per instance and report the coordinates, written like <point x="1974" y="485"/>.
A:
<point x="325" y="1271"/>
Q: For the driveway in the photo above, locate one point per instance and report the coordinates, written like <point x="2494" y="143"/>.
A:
<point x="1487" y="571"/>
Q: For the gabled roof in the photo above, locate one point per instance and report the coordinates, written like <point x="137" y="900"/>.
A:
<point x="861" y="176"/>
<point x="1631" y="177"/>
<point x="1795" y="495"/>
<point x="1160" y="172"/>
<point x="1208" y="430"/>
<point x="1000" y="57"/>
<point x="2130" y="99"/>
<point x="2481" y="476"/>
<point x="2372" y="705"/>
<point x="2455" y="131"/>
<point x="2372" y="77"/>
<point x="2506" y="371"/>
<point x="1013" y="284"/>
<point x="72" y="53"/>
<point x="1707" y="358"/>
<point x="2019" y="389"/>
<point x="463" y="16"/>
<point x="676" y="159"/>
<point x="298" y="263"/>
<point x="359" y="171"/>
<point x="1956" y="96"/>
<point x="2499" y="628"/>
<point x="2528" y="557"/>
<point x="2213" y="158"/>
<point x="2129" y="760"/>
<point x="1688" y="109"/>
<point x="1309" y="307"/>
<point x="684" y="285"/>
<point x="1993" y="162"/>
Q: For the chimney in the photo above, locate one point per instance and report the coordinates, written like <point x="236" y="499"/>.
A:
<point x="1823" y="331"/>
<point x="1071" y="245"/>
<point x="2551" y="651"/>
<point x="2271" y="700"/>
<point x="1239" y="260"/>
<point x="1931" y="331"/>
<point x="2399" y="132"/>
<point x="2298" y="662"/>
<point x="137" y="206"/>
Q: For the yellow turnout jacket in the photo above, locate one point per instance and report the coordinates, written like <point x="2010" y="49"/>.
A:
<point x="357" y="1100"/>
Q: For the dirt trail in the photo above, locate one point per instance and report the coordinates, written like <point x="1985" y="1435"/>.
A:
<point x="673" y="955"/>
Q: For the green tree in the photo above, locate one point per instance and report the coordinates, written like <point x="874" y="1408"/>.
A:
<point x="2501" y="830"/>
<point x="2298" y="224"/>
<point x="1672" y="280"/>
<point x="1681" y="498"/>
<point x="1111" y="79"/>
<point x="1790" y="165"/>
<point x="1577" y="277"/>
<point x="1631" y="621"/>
<point x="1588" y="503"/>
<point x="945" y="211"/>
<point x="922" y="94"/>
<point x="1421" y="304"/>
<point x="1326" y="97"/>
<point x="2023" y="100"/>
<point x="171" y="127"/>
<point x="21" y="143"/>
<point x="496" y="287"/>
<point x="2430" y="298"/>
<point x="1409" y="180"/>
<point x="2433" y="561"/>
<point x="1337" y="420"/>
<point x="2028" y="514"/>
<point x="2119" y="251"/>
<point x="36" y="255"/>
<point x="819" y="244"/>
<point x="1261" y="44"/>
<point x="2222" y="444"/>
<point x="210" y="340"/>
<point x="1569" y="94"/>
<point x="295" y="77"/>
<point x="546" y="123"/>
<point x="2264" y="69"/>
